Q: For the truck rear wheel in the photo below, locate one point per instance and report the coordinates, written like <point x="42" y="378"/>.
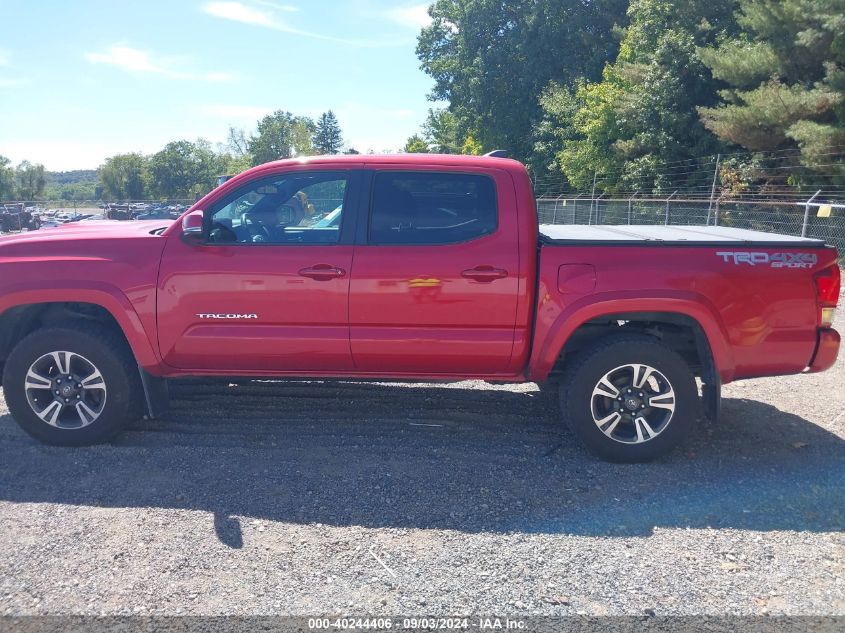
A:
<point x="72" y="386"/>
<point x="629" y="399"/>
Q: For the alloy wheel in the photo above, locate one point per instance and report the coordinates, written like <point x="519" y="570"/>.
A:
<point x="633" y="403"/>
<point x="65" y="390"/>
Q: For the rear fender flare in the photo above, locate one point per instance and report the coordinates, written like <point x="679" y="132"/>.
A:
<point x="583" y="310"/>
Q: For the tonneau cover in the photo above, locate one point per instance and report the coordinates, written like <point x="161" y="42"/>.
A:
<point x="665" y="235"/>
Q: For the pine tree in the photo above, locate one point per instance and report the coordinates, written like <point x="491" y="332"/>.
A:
<point x="787" y="78"/>
<point x="328" y="138"/>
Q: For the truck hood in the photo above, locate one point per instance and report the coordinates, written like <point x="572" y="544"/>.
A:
<point x="93" y="230"/>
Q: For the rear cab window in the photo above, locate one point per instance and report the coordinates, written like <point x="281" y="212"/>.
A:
<point x="428" y="207"/>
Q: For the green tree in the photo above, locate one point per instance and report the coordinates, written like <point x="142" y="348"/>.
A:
<point x="31" y="180"/>
<point x="440" y="130"/>
<point x="237" y="144"/>
<point x="471" y="147"/>
<point x="328" y="138"/>
<point x="183" y="169"/>
<point x="123" y="177"/>
<point x="786" y="76"/>
<point x="281" y="135"/>
<point x="643" y="115"/>
<point x="416" y="145"/>
<point x="552" y="132"/>
<point x="7" y="179"/>
<point x="490" y="60"/>
<point x="231" y="165"/>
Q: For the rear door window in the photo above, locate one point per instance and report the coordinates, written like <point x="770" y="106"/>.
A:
<point x="431" y="208"/>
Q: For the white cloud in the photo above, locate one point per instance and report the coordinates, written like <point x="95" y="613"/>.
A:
<point x="127" y="59"/>
<point x="4" y="58"/>
<point x="268" y="18"/>
<point x="239" y="12"/>
<point x="138" y="61"/>
<point x="11" y="83"/>
<point x="415" y="16"/>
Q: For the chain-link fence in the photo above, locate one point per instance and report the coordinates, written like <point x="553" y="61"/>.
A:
<point x="819" y="220"/>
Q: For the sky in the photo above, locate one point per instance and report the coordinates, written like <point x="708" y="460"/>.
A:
<point x="83" y="80"/>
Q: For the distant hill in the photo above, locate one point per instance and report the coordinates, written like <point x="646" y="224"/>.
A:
<point x="71" y="177"/>
<point x="80" y="184"/>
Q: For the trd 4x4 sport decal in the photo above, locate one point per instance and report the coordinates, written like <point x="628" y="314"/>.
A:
<point x="772" y="260"/>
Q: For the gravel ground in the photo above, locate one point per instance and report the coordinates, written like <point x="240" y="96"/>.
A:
<point x="314" y="498"/>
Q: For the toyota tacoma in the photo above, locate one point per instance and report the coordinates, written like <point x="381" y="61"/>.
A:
<point x="406" y="267"/>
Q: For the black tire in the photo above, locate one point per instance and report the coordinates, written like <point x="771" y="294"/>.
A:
<point x="582" y="375"/>
<point x="107" y="351"/>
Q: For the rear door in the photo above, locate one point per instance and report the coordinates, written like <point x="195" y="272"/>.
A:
<point x="435" y="276"/>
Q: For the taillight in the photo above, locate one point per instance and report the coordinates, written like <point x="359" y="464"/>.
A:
<point x="827" y="293"/>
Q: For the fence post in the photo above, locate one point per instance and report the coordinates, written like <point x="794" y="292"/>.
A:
<point x="716" y="212"/>
<point x="630" y="205"/>
<point x="598" y="208"/>
<point x="713" y="188"/>
<point x="592" y="198"/>
<point x="807" y="213"/>
<point x="667" y="206"/>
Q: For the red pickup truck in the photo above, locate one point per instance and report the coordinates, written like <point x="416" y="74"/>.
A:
<point x="406" y="267"/>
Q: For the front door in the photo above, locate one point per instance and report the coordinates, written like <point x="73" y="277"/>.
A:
<point x="435" y="282"/>
<point x="268" y="291"/>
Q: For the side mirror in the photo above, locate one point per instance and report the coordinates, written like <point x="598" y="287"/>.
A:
<point x="192" y="228"/>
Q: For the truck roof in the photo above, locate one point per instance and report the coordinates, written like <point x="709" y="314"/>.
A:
<point x="446" y="160"/>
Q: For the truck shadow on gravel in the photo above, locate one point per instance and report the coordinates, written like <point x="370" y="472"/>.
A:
<point x="433" y="457"/>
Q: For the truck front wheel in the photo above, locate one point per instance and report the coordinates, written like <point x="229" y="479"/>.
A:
<point x="72" y="386"/>
<point x="629" y="398"/>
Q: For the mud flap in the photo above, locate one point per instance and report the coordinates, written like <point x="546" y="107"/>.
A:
<point x="156" y="395"/>
<point x="711" y="400"/>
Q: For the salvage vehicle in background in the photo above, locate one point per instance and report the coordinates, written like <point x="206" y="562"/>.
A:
<point x="408" y="267"/>
<point x="16" y="217"/>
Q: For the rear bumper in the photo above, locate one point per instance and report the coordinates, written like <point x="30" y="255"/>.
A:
<point x="826" y="351"/>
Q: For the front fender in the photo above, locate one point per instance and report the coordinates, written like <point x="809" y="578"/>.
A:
<point x="555" y="326"/>
<point x="104" y="295"/>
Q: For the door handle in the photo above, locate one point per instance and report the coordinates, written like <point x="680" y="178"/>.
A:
<point x="322" y="272"/>
<point x="485" y="274"/>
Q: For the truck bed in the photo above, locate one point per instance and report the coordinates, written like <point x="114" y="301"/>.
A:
<point x="658" y="235"/>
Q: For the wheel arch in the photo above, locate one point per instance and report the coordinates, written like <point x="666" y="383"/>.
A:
<point x="25" y="311"/>
<point x="705" y="345"/>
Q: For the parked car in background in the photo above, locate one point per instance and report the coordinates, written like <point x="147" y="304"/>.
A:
<point x="17" y="217"/>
